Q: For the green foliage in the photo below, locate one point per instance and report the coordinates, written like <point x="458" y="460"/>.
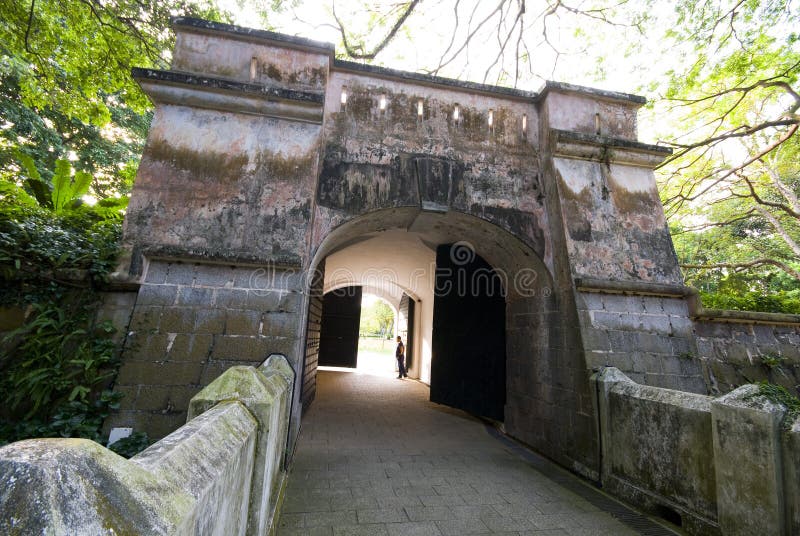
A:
<point x="66" y="92"/>
<point x="39" y="248"/>
<point x="780" y="395"/>
<point x="54" y="370"/>
<point x="132" y="445"/>
<point x="731" y="188"/>
<point x="72" y="54"/>
<point x="68" y="190"/>
<point x="376" y="320"/>
<point x="58" y="359"/>
<point x="772" y="302"/>
<point x="772" y="361"/>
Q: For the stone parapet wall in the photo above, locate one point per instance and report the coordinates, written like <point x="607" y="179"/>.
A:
<point x="724" y="465"/>
<point x="221" y="473"/>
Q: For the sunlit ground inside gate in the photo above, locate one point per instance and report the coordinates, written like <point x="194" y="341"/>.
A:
<point x="375" y="358"/>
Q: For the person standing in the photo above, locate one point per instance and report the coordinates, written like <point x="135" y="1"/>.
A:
<point x="400" y="354"/>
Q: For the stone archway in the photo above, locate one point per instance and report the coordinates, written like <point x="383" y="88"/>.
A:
<point x="542" y="353"/>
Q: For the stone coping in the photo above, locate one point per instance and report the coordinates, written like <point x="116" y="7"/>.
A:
<point x="696" y="309"/>
<point x="743" y="317"/>
<point x="180" y="253"/>
<point x="431" y="80"/>
<point x="252" y="34"/>
<point x="564" y="87"/>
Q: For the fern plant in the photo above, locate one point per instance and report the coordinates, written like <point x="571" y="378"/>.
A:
<point x="57" y="360"/>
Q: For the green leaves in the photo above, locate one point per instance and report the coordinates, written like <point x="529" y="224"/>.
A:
<point x="55" y="361"/>
<point x="68" y="190"/>
<point x="77" y="52"/>
<point x="731" y="187"/>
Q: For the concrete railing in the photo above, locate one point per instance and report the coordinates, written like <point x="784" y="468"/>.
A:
<point x="222" y="473"/>
<point x="724" y="465"/>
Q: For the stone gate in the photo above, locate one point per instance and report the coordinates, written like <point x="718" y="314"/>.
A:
<point x="267" y="158"/>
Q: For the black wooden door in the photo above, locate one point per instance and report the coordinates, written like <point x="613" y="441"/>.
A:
<point x="338" y="338"/>
<point x="406" y="326"/>
<point x="468" y="367"/>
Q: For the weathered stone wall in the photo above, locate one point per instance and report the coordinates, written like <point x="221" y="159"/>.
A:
<point x="714" y="466"/>
<point x="614" y="221"/>
<point x="206" y="178"/>
<point x="193" y="321"/>
<point x="660" y="451"/>
<point x="791" y="476"/>
<point x="201" y="50"/>
<point x="221" y="473"/>
<point x="550" y="404"/>
<point x="740" y="352"/>
<point x="228" y="176"/>
<point x="376" y="159"/>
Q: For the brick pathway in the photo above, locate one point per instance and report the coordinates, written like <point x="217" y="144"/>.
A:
<point x="375" y="457"/>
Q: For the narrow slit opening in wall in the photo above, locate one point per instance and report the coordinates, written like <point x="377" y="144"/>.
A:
<point x="253" y="68"/>
<point x="382" y="102"/>
<point x="524" y="126"/>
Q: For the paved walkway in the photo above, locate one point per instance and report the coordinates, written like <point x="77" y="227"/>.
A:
<point x="375" y="457"/>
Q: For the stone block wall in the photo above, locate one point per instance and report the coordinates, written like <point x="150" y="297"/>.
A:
<point x="736" y="353"/>
<point x="221" y="473"/>
<point x="191" y="322"/>
<point x="650" y="338"/>
<point x="550" y="404"/>
<point x="116" y="307"/>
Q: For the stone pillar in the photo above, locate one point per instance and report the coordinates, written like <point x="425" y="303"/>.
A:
<point x="267" y="393"/>
<point x="791" y="476"/>
<point x="604" y="381"/>
<point x="747" y="452"/>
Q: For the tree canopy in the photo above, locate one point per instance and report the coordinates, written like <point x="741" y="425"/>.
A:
<point x="66" y="93"/>
<point x="377" y="319"/>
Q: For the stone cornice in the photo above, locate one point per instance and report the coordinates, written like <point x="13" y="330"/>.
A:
<point x="637" y="288"/>
<point x="606" y="149"/>
<point x="172" y="87"/>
